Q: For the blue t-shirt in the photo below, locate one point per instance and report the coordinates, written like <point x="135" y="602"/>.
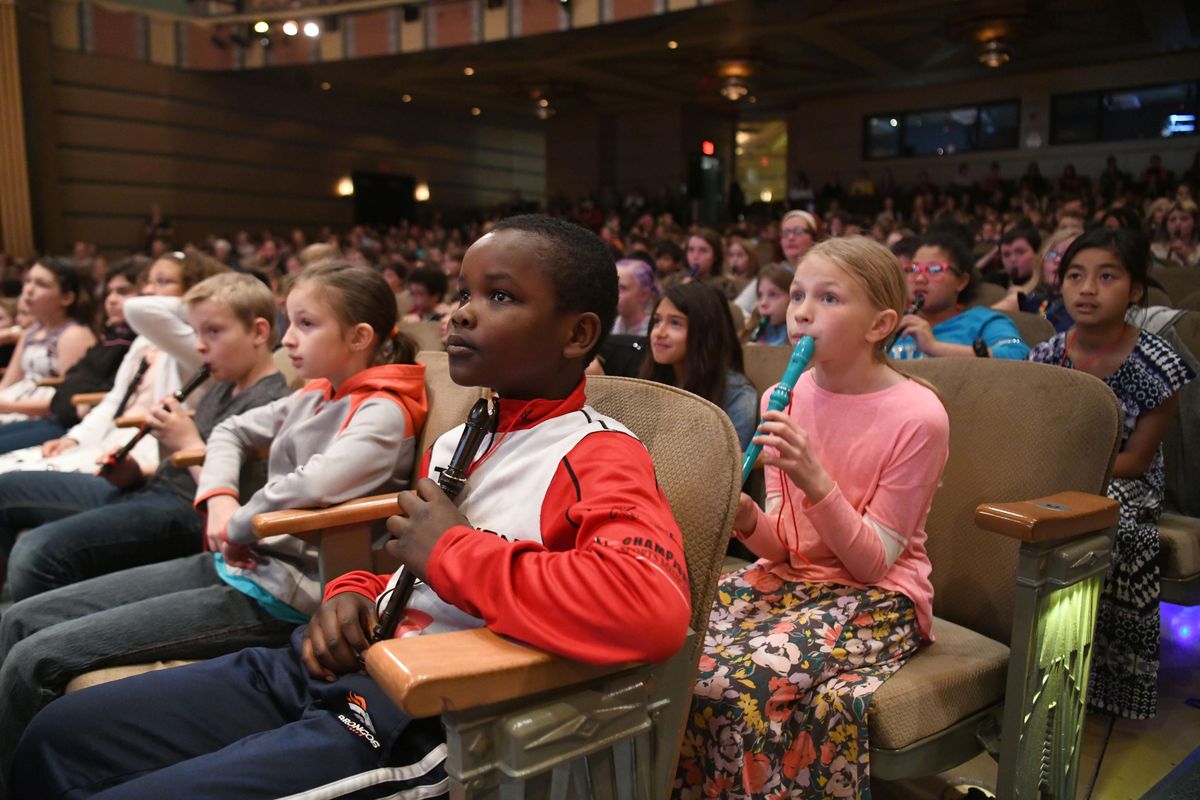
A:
<point x="771" y="334"/>
<point x="976" y="322"/>
<point x="1049" y="307"/>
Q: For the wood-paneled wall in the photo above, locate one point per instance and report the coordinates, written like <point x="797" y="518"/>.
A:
<point x="221" y="152"/>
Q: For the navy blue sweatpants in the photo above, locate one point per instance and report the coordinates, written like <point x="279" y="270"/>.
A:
<point x="252" y="724"/>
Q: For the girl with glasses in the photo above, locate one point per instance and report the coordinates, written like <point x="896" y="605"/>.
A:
<point x="945" y="327"/>
<point x="798" y="232"/>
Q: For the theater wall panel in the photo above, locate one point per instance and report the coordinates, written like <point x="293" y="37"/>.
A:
<point x="223" y="151"/>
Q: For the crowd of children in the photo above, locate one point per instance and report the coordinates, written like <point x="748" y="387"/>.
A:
<point x="117" y="560"/>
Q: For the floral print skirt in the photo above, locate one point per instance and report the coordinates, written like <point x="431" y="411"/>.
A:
<point x="785" y="682"/>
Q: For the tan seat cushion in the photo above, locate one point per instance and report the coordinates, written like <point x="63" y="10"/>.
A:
<point x="960" y="673"/>
<point x="1180" y="538"/>
<point x="99" y="676"/>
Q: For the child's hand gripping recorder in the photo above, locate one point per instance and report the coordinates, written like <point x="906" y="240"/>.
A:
<point x="781" y="395"/>
<point x="451" y="480"/>
<point x="181" y="395"/>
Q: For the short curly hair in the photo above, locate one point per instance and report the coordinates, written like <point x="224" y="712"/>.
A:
<point x="579" y="264"/>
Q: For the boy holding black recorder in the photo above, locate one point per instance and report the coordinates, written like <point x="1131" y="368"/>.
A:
<point x="561" y="538"/>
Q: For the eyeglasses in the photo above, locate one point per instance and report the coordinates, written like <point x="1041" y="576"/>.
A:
<point x="796" y="231"/>
<point x="933" y="270"/>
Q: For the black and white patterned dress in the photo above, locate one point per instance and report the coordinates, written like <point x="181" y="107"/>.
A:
<point x="1124" y="677"/>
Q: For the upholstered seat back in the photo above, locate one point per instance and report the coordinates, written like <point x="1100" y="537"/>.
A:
<point x="449" y="403"/>
<point x="1017" y="430"/>
<point x="697" y="462"/>
<point x="765" y="364"/>
<point x="426" y="333"/>
<point x="1033" y="329"/>
<point x="1177" y="282"/>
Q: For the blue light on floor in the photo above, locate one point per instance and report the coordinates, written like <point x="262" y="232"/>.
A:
<point x="1180" y="623"/>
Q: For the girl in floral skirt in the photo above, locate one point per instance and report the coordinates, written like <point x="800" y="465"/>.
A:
<point x="799" y="641"/>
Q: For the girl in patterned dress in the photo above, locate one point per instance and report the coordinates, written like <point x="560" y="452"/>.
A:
<point x="1104" y="273"/>
<point x="59" y="298"/>
<point x="798" y="641"/>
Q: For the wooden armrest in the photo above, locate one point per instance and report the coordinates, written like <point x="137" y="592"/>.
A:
<point x="429" y="675"/>
<point x="50" y="381"/>
<point x="1060" y="516"/>
<point x="296" y="521"/>
<point x="194" y="457"/>
<point x="87" y="398"/>
<point x="191" y="457"/>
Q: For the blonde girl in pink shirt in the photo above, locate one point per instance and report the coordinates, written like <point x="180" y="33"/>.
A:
<point x="840" y="596"/>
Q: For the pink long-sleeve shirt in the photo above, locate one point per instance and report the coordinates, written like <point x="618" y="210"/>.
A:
<point x="885" y="451"/>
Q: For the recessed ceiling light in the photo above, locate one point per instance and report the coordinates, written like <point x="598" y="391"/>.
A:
<point x="406" y="98"/>
<point x="290" y="28"/>
<point x="476" y="111"/>
<point x="672" y="45"/>
<point x="326" y="86"/>
<point x="468" y="71"/>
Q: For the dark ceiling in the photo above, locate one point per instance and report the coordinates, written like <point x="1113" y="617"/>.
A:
<point x="795" y="49"/>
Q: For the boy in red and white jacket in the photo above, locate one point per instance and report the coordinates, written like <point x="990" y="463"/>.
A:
<point x="561" y="538"/>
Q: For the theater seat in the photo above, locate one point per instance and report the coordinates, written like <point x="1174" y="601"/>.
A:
<point x="765" y="364"/>
<point x="1033" y="329"/>
<point x="99" y="676"/>
<point x="1179" y="526"/>
<point x="1179" y="559"/>
<point x="1177" y="282"/>
<point x="427" y="334"/>
<point x="528" y="722"/>
<point x="988" y="294"/>
<point x="960" y="674"/>
<point x="1001" y="565"/>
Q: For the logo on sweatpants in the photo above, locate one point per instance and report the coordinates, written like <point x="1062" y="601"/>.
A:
<point x="361" y="725"/>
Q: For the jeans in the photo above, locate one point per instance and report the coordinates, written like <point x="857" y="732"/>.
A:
<point x="27" y="433"/>
<point x="176" y="609"/>
<point x="30" y="499"/>
<point x="85" y="527"/>
<point x="252" y="725"/>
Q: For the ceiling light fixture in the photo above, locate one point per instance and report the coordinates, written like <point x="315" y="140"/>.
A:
<point x="406" y="98"/>
<point x="262" y="26"/>
<point x="468" y="71"/>
<point x="733" y="73"/>
<point x="994" y="53"/>
<point x="672" y="45"/>
<point x="734" y="88"/>
<point x="290" y="28"/>
<point x="476" y="111"/>
<point x="312" y="30"/>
